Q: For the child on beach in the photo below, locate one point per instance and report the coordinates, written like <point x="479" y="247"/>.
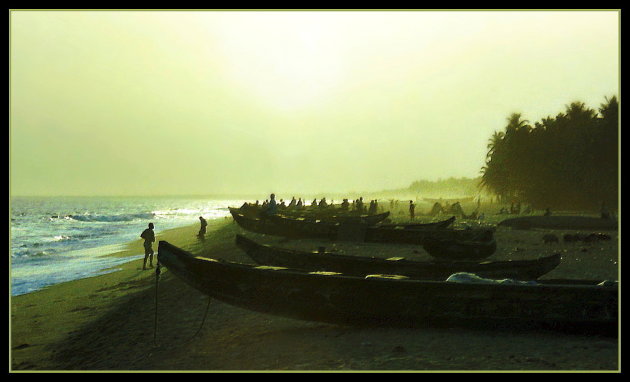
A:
<point x="149" y="237"/>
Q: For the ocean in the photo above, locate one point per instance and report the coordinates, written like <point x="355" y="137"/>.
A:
<point x="59" y="239"/>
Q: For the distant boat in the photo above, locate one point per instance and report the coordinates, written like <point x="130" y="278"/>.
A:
<point x="363" y="265"/>
<point x="330" y="216"/>
<point x="560" y="222"/>
<point x="394" y="301"/>
<point x="301" y="228"/>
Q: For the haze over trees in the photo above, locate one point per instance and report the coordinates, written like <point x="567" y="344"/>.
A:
<point x="450" y="187"/>
<point x="569" y="161"/>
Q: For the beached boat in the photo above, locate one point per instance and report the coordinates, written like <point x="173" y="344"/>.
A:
<point x="268" y="226"/>
<point x="350" y="231"/>
<point x="361" y="266"/>
<point x="331" y="217"/>
<point x="560" y="222"/>
<point x="394" y="300"/>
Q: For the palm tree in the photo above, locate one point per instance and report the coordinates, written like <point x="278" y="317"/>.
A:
<point x="494" y="143"/>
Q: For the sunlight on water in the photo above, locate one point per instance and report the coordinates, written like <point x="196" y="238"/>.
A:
<point x="58" y="239"/>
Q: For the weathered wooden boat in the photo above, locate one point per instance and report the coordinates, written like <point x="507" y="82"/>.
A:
<point x="420" y="236"/>
<point x="438" y="224"/>
<point x="446" y="249"/>
<point x="330" y="217"/>
<point x="361" y="266"/>
<point x="350" y="231"/>
<point x="560" y="222"/>
<point x="268" y="226"/>
<point x="395" y="301"/>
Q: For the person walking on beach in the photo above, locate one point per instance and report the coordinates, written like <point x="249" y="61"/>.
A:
<point x="149" y="237"/>
<point x="204" y="224"/>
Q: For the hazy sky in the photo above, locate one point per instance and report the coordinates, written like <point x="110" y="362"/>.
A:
<point x="194" y="102"/>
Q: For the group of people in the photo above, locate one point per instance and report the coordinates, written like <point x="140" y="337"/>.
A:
<point x="272" y="206"/>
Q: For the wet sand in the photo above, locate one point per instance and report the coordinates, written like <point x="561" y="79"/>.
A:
<point x="107" y="322"/>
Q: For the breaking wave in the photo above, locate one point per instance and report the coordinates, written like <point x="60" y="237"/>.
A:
<point x="111" y="218"/>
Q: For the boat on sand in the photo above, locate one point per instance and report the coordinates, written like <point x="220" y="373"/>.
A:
<point x="394" y="301"/>
<point x="353" y="265"/>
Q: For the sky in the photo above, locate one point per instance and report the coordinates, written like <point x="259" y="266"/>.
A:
<point x="236" y="102"/>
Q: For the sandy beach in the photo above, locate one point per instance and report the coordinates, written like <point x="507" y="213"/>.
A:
<point x="106" y="323"/>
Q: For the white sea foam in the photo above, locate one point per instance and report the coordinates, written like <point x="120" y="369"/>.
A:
<point x="61" y="239"/>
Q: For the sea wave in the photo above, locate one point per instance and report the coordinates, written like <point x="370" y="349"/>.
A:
<point x="111" y="218"/>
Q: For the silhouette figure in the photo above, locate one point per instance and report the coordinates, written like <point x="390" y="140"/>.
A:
<point x="149" y="238"/>
<point x="202" y="229"/>
<point x="272" y="207"/>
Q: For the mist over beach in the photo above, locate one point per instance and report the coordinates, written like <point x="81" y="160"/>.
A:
<point x="425" y="190"/>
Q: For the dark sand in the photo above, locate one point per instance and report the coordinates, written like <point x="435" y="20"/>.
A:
<point x="106" y="323"/>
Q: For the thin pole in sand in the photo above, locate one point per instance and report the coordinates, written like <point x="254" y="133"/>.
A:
<point x="157" y="279"/>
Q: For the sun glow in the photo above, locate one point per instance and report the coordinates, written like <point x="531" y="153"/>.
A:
<point x="286" y="61"/>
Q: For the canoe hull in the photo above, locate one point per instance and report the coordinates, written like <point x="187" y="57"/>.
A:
<point x="362" y="266"/>
<point x="331" y="216"/>
<point x="388" y="302"/>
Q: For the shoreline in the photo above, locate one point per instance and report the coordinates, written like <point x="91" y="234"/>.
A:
<point x="124" y="252"/>
<point x="106" y="322"/>
<point x="38" y="317"/>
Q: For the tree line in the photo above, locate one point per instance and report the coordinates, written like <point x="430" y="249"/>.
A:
<point x="454" y="186"/>
<point x="570" y="161"/>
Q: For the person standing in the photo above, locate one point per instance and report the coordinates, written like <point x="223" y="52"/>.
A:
<point x="359" y="205"/>
<point x="204" y="224"/>
<point x="412" y="209"/>
<point x="149" y="238"/>
<point x="272" y="207"/>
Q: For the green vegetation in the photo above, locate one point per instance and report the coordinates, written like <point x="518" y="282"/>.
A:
<point x="569" y="161"/>
<point x="456" y="187"/>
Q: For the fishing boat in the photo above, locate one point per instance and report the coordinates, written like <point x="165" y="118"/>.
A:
<point x="331" y="217"/>
<point x="395" y="300"/>
<point x="363" y="265"/>
<point x="269" y="226"/>
<point x="351" y="231"/>
<point x="560" y="222"/>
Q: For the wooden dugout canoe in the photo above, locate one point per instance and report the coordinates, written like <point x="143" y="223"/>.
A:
<point x="335" y="298"/>
<point x="361" y="266"/>
<point x="331" y="217"/>
<point x="296" y="228"/>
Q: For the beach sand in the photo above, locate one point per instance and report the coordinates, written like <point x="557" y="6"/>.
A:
<point x="107" y="322"/>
